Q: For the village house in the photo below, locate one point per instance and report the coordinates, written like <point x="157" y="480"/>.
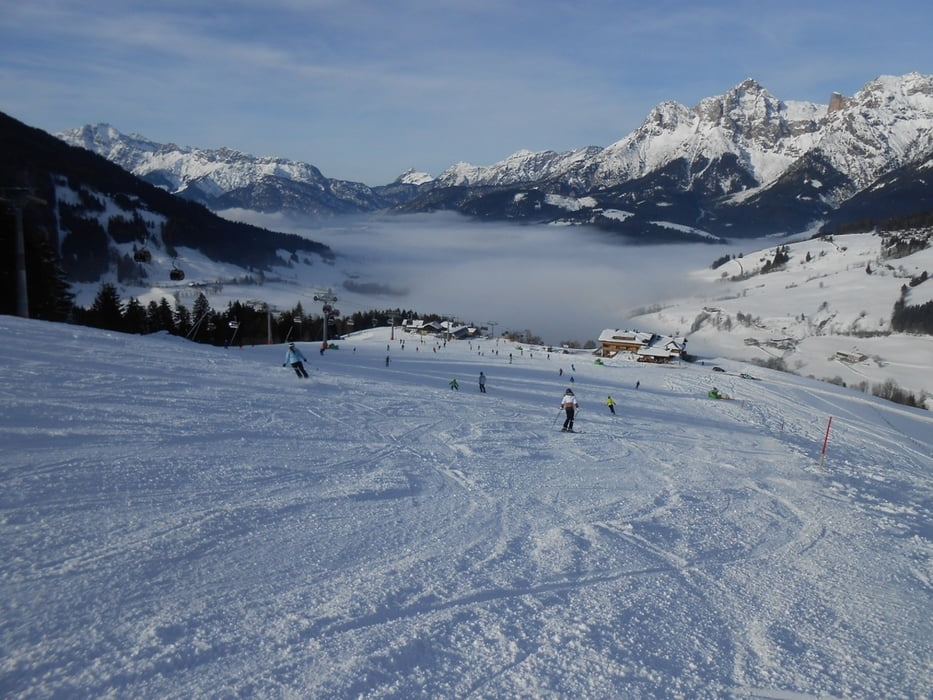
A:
<point x="440" y="328"/>
<point x="412" y="325"/>
<point x="647" y="347"/>
<point x="851" y="358"/>
<point x="614" y="341"/>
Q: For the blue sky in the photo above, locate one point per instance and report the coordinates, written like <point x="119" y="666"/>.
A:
<point x="365" y="89"/>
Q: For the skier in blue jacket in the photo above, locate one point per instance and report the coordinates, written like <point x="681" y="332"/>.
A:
<point x="294" y="358"/>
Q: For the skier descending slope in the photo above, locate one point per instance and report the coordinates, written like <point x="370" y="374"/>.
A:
<point x="294" y="358"/>
<point x="570" y="406"/>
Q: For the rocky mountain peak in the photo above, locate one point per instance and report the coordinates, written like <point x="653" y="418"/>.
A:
<point x="413" y="177"/>
<point x="886" y="124"/>
<point x="750" y="115"/>
<point x="792" y="161"/>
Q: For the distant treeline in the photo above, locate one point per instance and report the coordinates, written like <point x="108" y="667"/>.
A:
<point x="912" y="319"/>
<point x="895" y="223"/>
<point x="238" y="324"/>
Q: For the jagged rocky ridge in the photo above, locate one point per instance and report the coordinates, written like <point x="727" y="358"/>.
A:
<point x="744" y="163"/>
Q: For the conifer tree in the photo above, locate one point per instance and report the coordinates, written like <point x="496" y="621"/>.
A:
<point x="152" y="315"/>
<point x="201" y="307"/>
<point x="182" y="320"/>
<point x="106" y="311"/>
<point x="134" y="317"/>
<point x="164" y="316"/>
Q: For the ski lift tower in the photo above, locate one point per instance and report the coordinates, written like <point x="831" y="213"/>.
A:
<point x="329" y="312"/>
<point x="269" y="309"/>
<point x="18" y="198"/>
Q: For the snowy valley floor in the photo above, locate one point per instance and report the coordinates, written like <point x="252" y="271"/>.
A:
<point x="186" y="521"/>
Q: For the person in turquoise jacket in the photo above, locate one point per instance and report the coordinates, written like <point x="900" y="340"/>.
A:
<point x="294" y="358"/>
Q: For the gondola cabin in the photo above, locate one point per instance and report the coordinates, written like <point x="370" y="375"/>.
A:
<point x="177" y="274"/>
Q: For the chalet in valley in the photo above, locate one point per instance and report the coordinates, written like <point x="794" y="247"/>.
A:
<point x="646" y="347"/>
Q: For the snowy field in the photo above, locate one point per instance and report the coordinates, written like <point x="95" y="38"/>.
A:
<point x="821" y="313"/>
<point x="186" y="521"/>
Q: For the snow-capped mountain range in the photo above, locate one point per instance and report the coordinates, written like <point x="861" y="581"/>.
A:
<point x="886" y="124"/>
<point x="818" y="302"/>
<point x="744" y="163"/>
<point x="225" y="178"/>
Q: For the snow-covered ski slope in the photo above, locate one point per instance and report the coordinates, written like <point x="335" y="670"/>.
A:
<point x="186" y="521"/>
<point x="820" y="313"/>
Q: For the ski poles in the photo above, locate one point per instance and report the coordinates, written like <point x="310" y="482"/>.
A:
<point x="557" y="417"/>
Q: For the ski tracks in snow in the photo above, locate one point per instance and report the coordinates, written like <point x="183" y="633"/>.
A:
<point x="370" y="532"/>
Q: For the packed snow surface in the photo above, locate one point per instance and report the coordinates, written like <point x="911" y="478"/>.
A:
<point x="185" y="521"/>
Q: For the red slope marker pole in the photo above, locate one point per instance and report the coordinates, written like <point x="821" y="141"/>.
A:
<point x="825" y="442"/>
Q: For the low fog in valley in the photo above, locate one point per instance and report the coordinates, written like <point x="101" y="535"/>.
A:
<point x="560" y="282"/>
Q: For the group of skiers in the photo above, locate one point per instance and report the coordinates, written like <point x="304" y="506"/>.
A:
<point x="568" y="404"/>
<point x="482" y="383"/>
